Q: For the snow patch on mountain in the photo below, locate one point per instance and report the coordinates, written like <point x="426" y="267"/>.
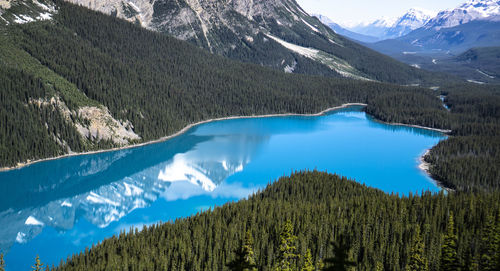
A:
<point x="340" y="66"/>
<point x="387" y="28"/>
<point x="470" y="11"/>
<point x="310" y="26"/>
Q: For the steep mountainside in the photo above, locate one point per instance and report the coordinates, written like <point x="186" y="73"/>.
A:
<point x="273" y="33"/>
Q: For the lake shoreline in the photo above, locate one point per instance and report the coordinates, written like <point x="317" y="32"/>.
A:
<point x="180" y="132"/>
<point x="425" y="167"/>
<point x="189" y="126"/>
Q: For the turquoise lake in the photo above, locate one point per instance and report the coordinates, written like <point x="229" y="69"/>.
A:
<point x="59" y="207"/>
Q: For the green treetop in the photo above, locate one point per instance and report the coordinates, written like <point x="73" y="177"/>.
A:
<point x="245" y="256"/>
<point x="449" y="257"/>
<point x="287" y="248"/>
<point x="418" y="261"/>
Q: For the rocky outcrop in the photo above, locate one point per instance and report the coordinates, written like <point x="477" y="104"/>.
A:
<point x="101" y="125"/>
<point x="93" y="123"/>
<point x="238" y="29"/>
<point x="132" y="10"/>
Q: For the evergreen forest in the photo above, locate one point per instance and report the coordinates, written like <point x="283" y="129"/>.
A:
<point x="319" y="220"/>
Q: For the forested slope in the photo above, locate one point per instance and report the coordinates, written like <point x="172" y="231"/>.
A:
<point x="380" y="229"/>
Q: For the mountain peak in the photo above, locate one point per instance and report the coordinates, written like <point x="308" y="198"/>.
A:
<point x="388" y="28"/>
<point x="471" y="10"/>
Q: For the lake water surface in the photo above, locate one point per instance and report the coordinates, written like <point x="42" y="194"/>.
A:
<point x="59" y="207"/>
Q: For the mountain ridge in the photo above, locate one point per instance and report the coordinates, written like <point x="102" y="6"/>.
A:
<point x="242" y="30"/>
<point x="389" y="28"/>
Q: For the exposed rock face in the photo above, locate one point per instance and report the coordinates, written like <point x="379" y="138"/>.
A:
<point x="103" y="126"/>
<point x="93" y="123"/>
<point x="239" y="29"/>
<point x="132" y="10"/>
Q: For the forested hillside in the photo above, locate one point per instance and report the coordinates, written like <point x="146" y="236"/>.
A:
<point x="380" y="231"/>
<point x="273" y="33"/>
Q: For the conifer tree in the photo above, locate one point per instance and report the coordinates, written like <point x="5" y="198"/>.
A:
<point x="245" y="256"/>
<point x="418" y="261"/>
<point x="490" y="246"/>
<point x="308" y="262"/>
<point x="340" y="260"/>
<point x="38" y="264"/>
<point x="287" y="248"/>
<point x="449" y="257"/>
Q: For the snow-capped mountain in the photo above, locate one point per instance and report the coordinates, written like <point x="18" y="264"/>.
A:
<point x="343" y="31"/>
<point x="470" y="11"/>
<point x="475" y="23"/>
<point x="376" y="28"/>
<point x="411" y="20"/>
<point x="388" y="28"/>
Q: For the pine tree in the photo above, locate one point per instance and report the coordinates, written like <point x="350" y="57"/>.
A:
<point x="245" y="256"/>
<point x="490" y="246"/>
<point x="449" y="257"/>
<point x="308" y="262"/>
<point x="38" y="265"/>
<point x="287" y="248"/>
<point x="340" y="260"/>
<point x="2" y="263"/>
<point x="418" y="261"/>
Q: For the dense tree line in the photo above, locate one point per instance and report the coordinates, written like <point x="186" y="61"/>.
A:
<point x="374" y="230"/>
<point x="28" y="129"/>
<point x="470" y="158"/>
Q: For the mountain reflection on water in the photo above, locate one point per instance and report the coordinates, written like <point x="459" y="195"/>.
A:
<point x="58" y="207"/>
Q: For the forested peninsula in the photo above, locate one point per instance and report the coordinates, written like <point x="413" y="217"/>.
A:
<point x="307" y="212"/>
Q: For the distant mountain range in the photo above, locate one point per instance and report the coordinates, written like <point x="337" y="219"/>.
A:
<point x="344" y="32"/>
<point x="389" y="28"/>
<point x="473" y="24"/>
<point x="473" y="10"/>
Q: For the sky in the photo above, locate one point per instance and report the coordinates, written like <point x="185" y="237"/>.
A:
<point x="350" y="12"/>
